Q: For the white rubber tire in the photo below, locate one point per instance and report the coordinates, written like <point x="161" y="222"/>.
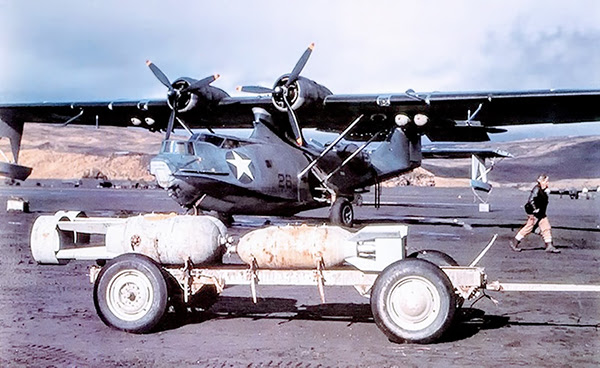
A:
<point x="131" y="293"/>
<point x="413" y="300"/>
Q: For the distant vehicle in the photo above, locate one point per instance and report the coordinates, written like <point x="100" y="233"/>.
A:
<point x="574" y="193"/>
<point x="276" y="171"/>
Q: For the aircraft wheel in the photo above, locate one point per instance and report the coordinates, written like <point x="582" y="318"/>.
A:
<point x="341" y="212"/>
<point x="131" y="293"/>
<point x="413" y="300"/>
<point x="358" y="200"/>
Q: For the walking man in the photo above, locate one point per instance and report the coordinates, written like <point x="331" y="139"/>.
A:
<point x="536" y="216"/>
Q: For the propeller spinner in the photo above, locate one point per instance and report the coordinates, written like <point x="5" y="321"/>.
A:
<point x="175" y="94"/>
<point x="281" y="92"/>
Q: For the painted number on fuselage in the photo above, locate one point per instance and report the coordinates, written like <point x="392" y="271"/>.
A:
<point x="285" y="181"/>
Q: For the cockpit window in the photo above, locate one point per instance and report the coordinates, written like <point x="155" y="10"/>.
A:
<point x="179" y="147"/>
<point x="215" y="140"/>
<point x="212" y="139"/>
<point x="230" y="143"/>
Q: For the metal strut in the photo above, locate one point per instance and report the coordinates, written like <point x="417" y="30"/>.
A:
<point x="188" y="281"/>
<point x="187" y="129"/>
<point x="377" y="189"/>
<point x="4" y="155"/>
<point x="354" y="154"/>
<point x="73" y="118"/>
<point x="320" y="278"/>
<point x="471" y="117"/>
<point x="330" y="147"/>
<point x="253" y="274"/>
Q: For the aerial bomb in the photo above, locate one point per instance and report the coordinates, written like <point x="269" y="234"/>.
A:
<point x="170" y="239"/>
<point x="296" y="247"/>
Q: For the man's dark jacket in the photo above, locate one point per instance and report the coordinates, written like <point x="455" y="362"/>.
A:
<point x="539" y="201"/>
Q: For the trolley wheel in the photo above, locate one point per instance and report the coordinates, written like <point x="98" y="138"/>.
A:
<point x="413" y="300"/>
<point x="440" y="259"/>
<point x="341" y="212"/>
<point x="434" y="256"/>
<point x="131" y="293"/>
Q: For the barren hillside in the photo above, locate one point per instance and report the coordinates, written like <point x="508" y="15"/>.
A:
<point x="569" y="161"/>
<point x="123" y="154"/>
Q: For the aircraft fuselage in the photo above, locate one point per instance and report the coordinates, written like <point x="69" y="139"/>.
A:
<point x="260" y="175"/>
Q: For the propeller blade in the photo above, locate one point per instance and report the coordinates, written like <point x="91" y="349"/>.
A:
<point x="254" y="89"/>
<point x="294" y="123"/>
<point x="197" y="85"/>
<point x="171" y="123"/>
<point x="300" y="65"/>
<point x="159" y="75"/>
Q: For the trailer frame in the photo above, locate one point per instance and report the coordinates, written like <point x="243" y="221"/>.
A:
<point x="412" y="299"/>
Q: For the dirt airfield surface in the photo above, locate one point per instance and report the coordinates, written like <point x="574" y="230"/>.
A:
<point x="47" y="315"/>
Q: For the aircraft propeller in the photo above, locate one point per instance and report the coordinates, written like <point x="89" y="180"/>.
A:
<point x="175" y="94"/>
<point x="281" y="92"/>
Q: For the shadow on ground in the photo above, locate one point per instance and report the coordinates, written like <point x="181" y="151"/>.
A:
<point x="468" y="321"/>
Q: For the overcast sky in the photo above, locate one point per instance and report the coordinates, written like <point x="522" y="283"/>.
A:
<point x="81" y="50"/>
<point x="68" y="50"/>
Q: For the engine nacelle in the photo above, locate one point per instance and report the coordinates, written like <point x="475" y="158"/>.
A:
<point x="187" y="101"/>
<point x="302" y="92"/>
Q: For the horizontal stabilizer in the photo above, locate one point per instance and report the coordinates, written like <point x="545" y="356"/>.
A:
<point x="479" y="178"/>
<point x="480" y="185"/>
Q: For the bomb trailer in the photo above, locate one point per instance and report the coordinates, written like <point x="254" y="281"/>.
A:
<point x="146" y="264"/>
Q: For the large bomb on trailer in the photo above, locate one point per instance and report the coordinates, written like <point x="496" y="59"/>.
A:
<point x="171" y="239"/>
<point x="167" y="239"/>
<point x="296" y="247"/>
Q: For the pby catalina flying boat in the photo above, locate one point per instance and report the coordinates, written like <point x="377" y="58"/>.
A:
<point x="276" y="171"/>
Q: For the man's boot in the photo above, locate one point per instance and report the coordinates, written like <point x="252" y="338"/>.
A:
<point x="515" y="245"/>
<point x="551" y="248"/>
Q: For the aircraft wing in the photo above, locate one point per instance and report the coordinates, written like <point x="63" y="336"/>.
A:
<point x="453" y="116"/>
<point x="116" y="113"/>
<point x="454" y="152"/>
<point x="227" y="113"/>
<point x="469" y="116"/>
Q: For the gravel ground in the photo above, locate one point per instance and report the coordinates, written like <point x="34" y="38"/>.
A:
<point x="47" y="316"/>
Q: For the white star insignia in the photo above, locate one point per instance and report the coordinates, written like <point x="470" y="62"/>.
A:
<point x="242" y="165"/>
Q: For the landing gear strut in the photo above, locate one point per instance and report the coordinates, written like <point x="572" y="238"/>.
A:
<point x="341" y="212"/>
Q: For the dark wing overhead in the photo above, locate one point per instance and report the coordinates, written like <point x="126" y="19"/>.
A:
<point x="468" y="116"/>
<point x="116" y="113"/>
<point x="462" y="116"/>
<point x="210" y="108"/>
<point x="150" y="114"/>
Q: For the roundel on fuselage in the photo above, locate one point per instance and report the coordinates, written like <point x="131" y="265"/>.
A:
<point x="241" y="166"/>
